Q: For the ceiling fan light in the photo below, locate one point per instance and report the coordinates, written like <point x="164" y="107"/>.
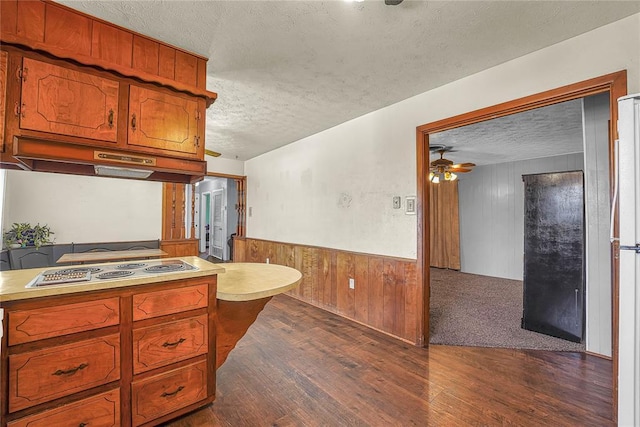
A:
<point x="436" y="179"/>
<point x="452" y="176"/>
<point x="447" y="176"/>
<point x="431" y="175"/>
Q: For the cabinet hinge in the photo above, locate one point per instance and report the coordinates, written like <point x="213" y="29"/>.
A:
<point x="19" y="109"/>
<point x="21" y="73"/>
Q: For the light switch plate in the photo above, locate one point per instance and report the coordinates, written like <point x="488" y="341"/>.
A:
<point x="410" y="205"/>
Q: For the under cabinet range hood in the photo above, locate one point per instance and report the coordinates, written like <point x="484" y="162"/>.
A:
<point x="61" y="157"/>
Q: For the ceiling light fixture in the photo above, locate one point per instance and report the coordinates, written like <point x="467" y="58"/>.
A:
<point x="443" y="169"/>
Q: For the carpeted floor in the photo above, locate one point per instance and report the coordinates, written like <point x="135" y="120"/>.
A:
<point x="481" y="311"/>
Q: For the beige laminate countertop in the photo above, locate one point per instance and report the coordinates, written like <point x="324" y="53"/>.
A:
<point x="236" y="281"/>
<point x="13" y="282"/>
<point x="247" y="281"/>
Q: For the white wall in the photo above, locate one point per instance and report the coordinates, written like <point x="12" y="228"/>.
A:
<point x="224" y="166"/>
<point x="335" y="188"/>
<point x="492" y="214"/>
<point x="598" y="248"/>
<point x="84" y="208"/>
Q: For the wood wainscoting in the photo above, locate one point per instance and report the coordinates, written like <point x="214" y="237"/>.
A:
<point x="182" y="247"/>
<point x="385" y="294"/>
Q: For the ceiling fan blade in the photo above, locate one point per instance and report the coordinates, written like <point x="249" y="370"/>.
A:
<point x="212" y="153"/>
<point x="463" y="165"/>
<point x="459" y="170"/>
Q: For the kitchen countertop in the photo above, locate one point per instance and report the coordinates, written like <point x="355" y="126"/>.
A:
<point x="248" y="281"/>
<point x="236" y="281"/>
<point x="13" y="282"/>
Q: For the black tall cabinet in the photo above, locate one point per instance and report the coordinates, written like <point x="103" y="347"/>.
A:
<point x="554" y="254"/>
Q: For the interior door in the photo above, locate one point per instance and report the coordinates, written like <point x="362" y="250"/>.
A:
<point x="553" y="301"/>
<point x="217" y="224"/>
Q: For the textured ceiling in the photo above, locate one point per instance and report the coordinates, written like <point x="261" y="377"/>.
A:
<point x="284" y="70"/>
<point x="543" y="132"/>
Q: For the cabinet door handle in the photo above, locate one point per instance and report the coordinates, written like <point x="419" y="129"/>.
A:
<point x="133" y="122"/>
<point x="71" y="371"/>
<point x="174" y="344"/>
<point x="110" y="118"/>
<point x="173" y="393"/>
<point x="196" y="141"/>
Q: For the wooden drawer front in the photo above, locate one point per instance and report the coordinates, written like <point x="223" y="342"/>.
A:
<point x="39" y="376"/>
<point x="167" y="343"/>
<point x="102" y="410"/>
<point x="160" y="303"/>
<point x="31" y="325"/>
<point x="68" y="102"/>
<point x="161" y="394"/>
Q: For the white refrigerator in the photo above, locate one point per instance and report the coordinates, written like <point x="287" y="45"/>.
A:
<point x="628" y="195"/>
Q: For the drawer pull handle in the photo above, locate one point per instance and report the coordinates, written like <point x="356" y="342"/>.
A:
<point x="174" y="344"/>
<point x="173" y="393"/>
<point x="110" y="118"/>
<point x="133" y="122"/>
<point x="71" y="371"/>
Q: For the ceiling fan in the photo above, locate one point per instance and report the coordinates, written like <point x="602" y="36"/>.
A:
<point x="444" y="168"/>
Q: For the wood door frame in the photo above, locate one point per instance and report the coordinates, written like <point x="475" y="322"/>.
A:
<point x="615" y="84"/>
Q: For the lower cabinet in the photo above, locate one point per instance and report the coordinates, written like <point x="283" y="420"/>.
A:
<point x="102" y="410"/>
<point x="109" y="358"/>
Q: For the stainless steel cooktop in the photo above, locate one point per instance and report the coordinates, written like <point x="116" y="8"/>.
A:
<point x="101" y="273"/>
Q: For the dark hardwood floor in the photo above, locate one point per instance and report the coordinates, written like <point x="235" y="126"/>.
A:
<point x="301" y="366"/>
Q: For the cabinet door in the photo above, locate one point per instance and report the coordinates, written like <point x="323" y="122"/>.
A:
<point x="3" y="95"/>
<point x="163" y="121"/>
<point x="68" y="102"/>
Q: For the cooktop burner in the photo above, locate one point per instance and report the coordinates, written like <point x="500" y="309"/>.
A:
<point x="131" y="266"/>
<point x="114" y="274"/>
<point x="79" y="270"/>
<point x="109" y="272"/>
<point x="165" y="268"/>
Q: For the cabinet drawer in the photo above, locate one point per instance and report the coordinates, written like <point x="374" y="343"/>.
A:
<point x="39" y="376"/>
<point x="31" y="325"/>
<point x="167" y="343"/>
<point x="160" y="303"/>
<point x="68" y="102"/>
<point x="102" y="410"/>
<point x="161" y="394"/>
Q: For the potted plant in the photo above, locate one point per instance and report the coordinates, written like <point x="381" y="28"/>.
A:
<point x="23" y="235"/>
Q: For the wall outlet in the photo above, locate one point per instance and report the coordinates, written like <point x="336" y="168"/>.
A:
<point x="397" y="202"/>
<point x="352" y="283"/>
<point x="267" y="261"/>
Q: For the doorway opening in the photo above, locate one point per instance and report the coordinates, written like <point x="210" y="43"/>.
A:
<point x="217" y="217"/>
<point x="614" y="84"/>
<point x="481" y="304"/>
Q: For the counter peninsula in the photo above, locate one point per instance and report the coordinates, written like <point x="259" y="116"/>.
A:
<point x="136" y="351"/>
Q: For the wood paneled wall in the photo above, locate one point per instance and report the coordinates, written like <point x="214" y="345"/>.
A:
<point x="385" y="295"/>
<point x="444" y="230"/>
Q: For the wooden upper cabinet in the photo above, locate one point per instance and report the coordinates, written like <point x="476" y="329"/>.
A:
<point x="30" y="20"/>
<point x="68" y="102"/>
<point x="3" y="95"/>
<point x="111" y="44"/>
<point x="145" y="55"/>
<point x="67" y="30"/>
<point x="164" y="121"/>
